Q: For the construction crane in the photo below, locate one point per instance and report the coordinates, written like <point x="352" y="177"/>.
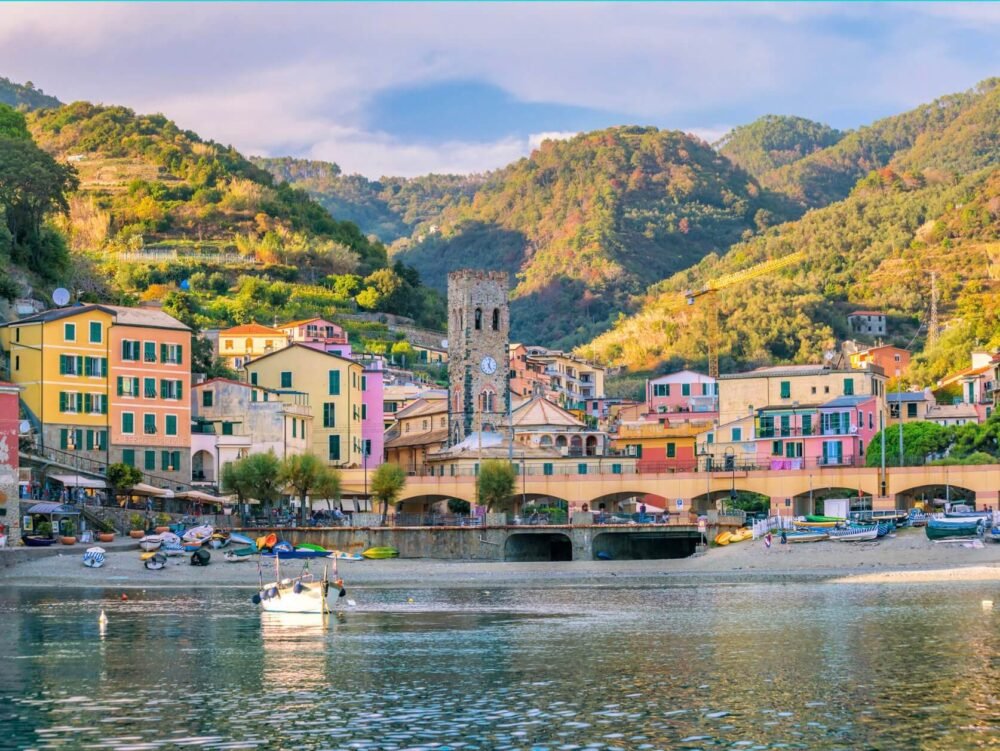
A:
<point x="707" y="295"/>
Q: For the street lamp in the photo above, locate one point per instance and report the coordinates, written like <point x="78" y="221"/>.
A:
<point x="731" y="466"/>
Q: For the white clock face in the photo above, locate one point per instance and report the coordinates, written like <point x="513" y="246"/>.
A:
<point x="489" y="365"/>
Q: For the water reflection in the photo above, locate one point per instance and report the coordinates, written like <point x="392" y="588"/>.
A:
<point x="785" y="666"/>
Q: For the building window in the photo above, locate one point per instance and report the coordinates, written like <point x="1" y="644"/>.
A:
<point x="149" y="423"/>
<point x="329" y="415"/>
<point x="171" y="389"/>
<point x="786" y="389"/>
<point x="911" y="409"/>
<point x="149" y="388"/>
<point x="171" y="353"/>
<point x="149" y="351"/>
<point x="776" y="448"/>
<point x="207" y="397"/>
<point x="70" y="365"/>
<point x="95" y="367"/>
<point x="364" y="411"/>
<point x="479" y="319"/>
<point x="581" y="469"/>
<point x="17" y="362"/>
<point x="130" y="350"/>
<point x="96" y="332"/>
<point x="737" y="435"/>
<point x="807" y="425"/>
<point x="128" y="386"/>
<point x="229" y="344"/>
<point x="496" y="319"/>
<point x="364" y="383"/>
<point x="128" y="423"/>
<point x="295" y="428"/>
<point x="334" y="382"/>
<point x="149" y="460"/>
<point x="547" y="468"/>
<point x="334" y="448"/>
<point x="69" y="332"/>
<point x="69" y="401"/>
<point x="128" y="457"/>
<point x="486" y="401"/>
<point x="171" y="425"/>
<point x="227" y="428"/>
<point x="286" y="379"/>
<point x="848" y="387"/>
<point x="685" y="389"/>
<point x="671" y="450"/>
<point x="661" y="389"/>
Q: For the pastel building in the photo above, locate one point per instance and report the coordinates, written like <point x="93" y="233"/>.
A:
<point x="572" y="379"/>
<point x="372" y="410"/>
<point x="539" y="422"/>
<point x="683" y="392"/>
<point x="232" y="420"/>
<point x="910" y="406"/>
<point x="658" y="447"/>
<point x="332" y="385"/>
<point x="978" y="386"/>
<point x="106" y="383"/>
<point x="317" y="332"/>
<point x="9" y="480"/>
<point x="241" y="344"/>
<point x="868" y="322"/>
<point x="420" y="429"/>
<point x="894" y="361"/>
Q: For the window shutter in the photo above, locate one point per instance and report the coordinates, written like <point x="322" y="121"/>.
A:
<point x="335" y="382"/>
<point x="179" y="394"/>
<point x="104" y="367"/>
<point x="175" y="460"/>
<point x="135" y="386"/>
<point x="128" y="457"/>
<point x="125" y="350"/>
<point x="79" y="438"/>
<point x="335" y="447"/>
<point x="63" y="439"/>
<point x="104" y="404"/>
<point x="180" y="353"/>
<point x="164" y="387"/>
<point x="149" y="460"/>
<point x="121" y="385"/>
<point x="90" y="440"/>
<point x="163" y="352"/>
<point x="87" y="403"/>
<point x="62" y="401"/>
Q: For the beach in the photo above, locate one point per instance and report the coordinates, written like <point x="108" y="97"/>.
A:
<point x="906" y="557"/>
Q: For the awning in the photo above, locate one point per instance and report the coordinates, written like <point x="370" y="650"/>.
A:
<point x="141" y="488"/>
<point x="78" y="481"/>
<point x="61" y="509"/>
<point x="197" y="495"/>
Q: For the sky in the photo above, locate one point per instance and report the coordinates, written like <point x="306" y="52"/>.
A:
<point x="412" y="88"/>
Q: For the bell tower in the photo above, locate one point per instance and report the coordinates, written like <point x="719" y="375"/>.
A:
<point x="478" y="364"/>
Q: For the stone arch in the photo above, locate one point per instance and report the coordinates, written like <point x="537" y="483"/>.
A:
<point x="545" y="440"/>
<point x="203" y="466"/>
<point x="591" y="445"/>
<point x="538" y="546"/>
<point x="479" y="319"/>
<point x="721" y="497"/>
<point x="576" y="445"/>
<point x="812" y="501"/>
<point x="487" y="400"/>
<point x="561" y="442"/>
<point x="931" y="493"/>
<point x="496" y="319"/>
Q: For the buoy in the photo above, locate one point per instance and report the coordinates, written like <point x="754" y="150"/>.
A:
<point x="124" y="596"/>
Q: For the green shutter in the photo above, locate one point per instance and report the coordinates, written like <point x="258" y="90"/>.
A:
<point x="87" y="403"/>
<point x="806" y="424"/>
<point x="62" y="401"/>
<point x="78" y="438"/>
<point x="164" y="387"/>
<point x="128" y="422"/>
<point x="175" y="460"/>
<point x="334" y="442"/>
<point x="63" y="439"/>
<point x="253" y="379"/>
<point x="95" y="332"/>
<point x="581" y="469"/>
<point x="786" y="389"/>
<point x="294" y="428"/>
<point x="334" y="382"/>
<point x="179" y="392"/>
<point x="149" y="388"/>
<point x="104" y="404"/>
<point x="150" y="351"/>
<point x="128" y="457"/>
<point x="547" y="468"/>
<point x="616" y="469"/>
<point x="206" y="398"/>
<point x="364" y="411"/>
<point x="90" y="440"/>
<point x="253" y="395"/>
<point x="164" y="459"/>
<point x="163" y="353"/>
<point x="79" y="364"/>
<point x="121" y="385"/>
<point x="62" y="364"/>
<point x="671" y="450"/>
<point x="180" y="353"/>
<point x="149" y="460"/>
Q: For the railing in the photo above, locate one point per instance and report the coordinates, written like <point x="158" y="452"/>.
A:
<point x="771" y="524"/>
<point x="405" y="519"/>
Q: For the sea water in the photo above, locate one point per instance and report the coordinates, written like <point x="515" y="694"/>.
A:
<point x="752" y="666"/>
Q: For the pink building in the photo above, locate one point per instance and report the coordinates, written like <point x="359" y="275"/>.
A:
<point x="684" y="391"/>
<point x="372" y="415"/>
<point x="836" y="432"/>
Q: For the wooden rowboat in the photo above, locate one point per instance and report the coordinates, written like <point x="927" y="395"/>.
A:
<point x="807" y="536"/>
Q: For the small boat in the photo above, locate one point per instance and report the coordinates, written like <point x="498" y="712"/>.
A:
<point x="342" y="556"/>
<point x="233" y="556"/>
<point x="198" y="534"/>
<point x="241" y="539"/>
<point x="37" y="541"/>
<point x="218" y="540"/>
<point x="917" y="518"/>
<point x="884" y="528"/>
<point x="302" y="594"/>
<point x="807" y="536"/>
<point x="284" y="551"/>
<point x="311" y="546"/>
<point x="150" y="543"/>
<point x="821" y="518"/>
<point x="720" y="539"/>
<point x="939" y="529"/>
<point x="966" y="514"/>
<point x="156" y="561"/>
<point x="814" y="525"/>
<point x="382" y="552"/>
<point x="854" y="534"/>
<point x="94" y="557"/>
<point x="993" y="534"/>
<point x="171" y="544"/>
<point x="740" y="535"/>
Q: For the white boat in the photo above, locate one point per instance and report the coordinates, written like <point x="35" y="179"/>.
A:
<point x="303" y="594"/>
<point x="854" y="534"/>
<point x="171" y="544"/>
<point x="156" y="563"/>
<point x="198" y="534"/>
<point x="217" y="541"/>
<point x="149" y="543"/>
<point x="94" y="557"/>
<point x="231" y="557"/>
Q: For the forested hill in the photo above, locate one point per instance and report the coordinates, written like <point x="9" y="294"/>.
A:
<point x="773" y="141"/>
<point x="933" y="136"/>
<point x="585" y="223"/>
<point x="876" y="249"/>
<point x="389" y="208"/>
<point x="25" y="96"/>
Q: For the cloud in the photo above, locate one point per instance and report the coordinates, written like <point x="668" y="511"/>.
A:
<point x="535" y="139"/>
<point x="301" y="78"/>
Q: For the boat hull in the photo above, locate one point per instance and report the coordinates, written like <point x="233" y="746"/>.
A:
<point x="38" y="542"/>
<point x="293" y="597"/>
<point x="149" y="543"/>
<point x="940" y="529"/>
<point x="377" y="553"/>
<point x="807" y="536"/>
<point x="854" y="534"/>
<point x="296" y="555"/>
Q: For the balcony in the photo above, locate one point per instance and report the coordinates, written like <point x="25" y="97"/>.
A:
<point x="779" y="432"/>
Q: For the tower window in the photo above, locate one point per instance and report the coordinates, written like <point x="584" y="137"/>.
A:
<point x="496" y="319"/>
<point x="479" y="319"/>
<point x="486" y="401"/>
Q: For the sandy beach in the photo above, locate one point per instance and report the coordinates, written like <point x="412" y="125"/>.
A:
<point x="907" y="557"/>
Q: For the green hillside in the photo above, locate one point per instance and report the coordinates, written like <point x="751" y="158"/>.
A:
<point x="773" y="141"/>
<point x="389" y="208"/>
<point x="25" y="96"/>
<point x="876" y="249"/>
<point x="935" y="135"/>
<point x="583" y="224"/>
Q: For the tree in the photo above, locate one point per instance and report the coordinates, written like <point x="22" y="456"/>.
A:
<point x="259" y="475"/>
<point x="920" y="440"/>
<point x="121" y="476"/>
<point x="388" y="482"/>
<point x="302" y="472"/>
<point x="328" y="486"/>
<point x="495" y="484"/>
<point x="13" y="124"/>
<point x="403" y="351"/>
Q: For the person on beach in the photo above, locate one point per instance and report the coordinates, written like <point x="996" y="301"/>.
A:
<point x="767" y="541"/>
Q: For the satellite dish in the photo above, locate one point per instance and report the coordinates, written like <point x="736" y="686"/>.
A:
<point x="24" y="427"/>
<point x="444" y="344"/>
<point x="60" y="296"/>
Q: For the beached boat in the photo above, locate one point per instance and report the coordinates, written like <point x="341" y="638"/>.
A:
<point x="939" y="529"/>
<point x="967" y="514"/>
<point x="237" y="556"/>
<point x="236" y="537"/>
<point x="806" y="524"/>
<point x="807" y="536"/>
<point x="884" y="528"/>
<point x="917" y="518"/>
<point x="36" y="541"/>
<point x="383" y="552"/>
<point x="170" y="544"/>
<point x="992" y="534"/>
<point x="217" y="541"/>
<point x="821" y="518"/>
<point x="198" y="534"/>
<point x="342" y="556"/>
<point x="854" y="534"/>
<point x="266" y="541"/>
<point x="284" y="551"/>
<point x="740" y="535"/>
<point x="150" y="543"/>
<point x="94" y="557"/>
<point x="156" y="561"/>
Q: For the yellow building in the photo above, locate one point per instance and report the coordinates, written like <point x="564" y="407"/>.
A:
<point x="659" y="447"/>
<point x="333" y="386"/>
<point x="419" y="429"/>
<point x="240" y="344"/>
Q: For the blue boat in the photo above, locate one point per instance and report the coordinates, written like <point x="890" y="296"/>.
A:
<point x="940" y="529"/>
<point x="284" y="551"/>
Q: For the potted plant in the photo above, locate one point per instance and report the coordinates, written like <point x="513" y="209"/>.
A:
<point x="43" y="529"/>
<point x="68" y="532"/>
<point x="136" y="526"/>
<point x="105" y="532"/>
<point x="162" y="523"/>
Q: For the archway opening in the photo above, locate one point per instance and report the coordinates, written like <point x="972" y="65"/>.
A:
<point x="633" y="546"/>
<point x="524" y="547"/>
<point x="203" y="466"/>
<point x="831" y="502"/>
<point x="934" y="497"/>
